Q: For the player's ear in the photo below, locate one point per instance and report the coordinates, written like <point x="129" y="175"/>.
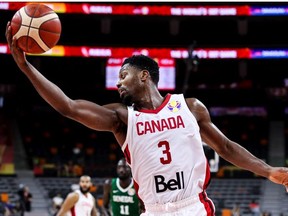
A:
<point x="144" y="75"/>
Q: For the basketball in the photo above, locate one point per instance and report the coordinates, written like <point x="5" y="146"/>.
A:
<point x="36" y="27"/>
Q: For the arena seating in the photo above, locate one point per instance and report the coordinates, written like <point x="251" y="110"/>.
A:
<point x="8" y="189"/>
<point x="232" y="191"/>
<point x="58" y="147"/>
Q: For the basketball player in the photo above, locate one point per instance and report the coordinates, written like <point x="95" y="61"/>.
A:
<point x="79" y="202"/>
<point x="161" y="136"/>
<point x="119" y="196"/>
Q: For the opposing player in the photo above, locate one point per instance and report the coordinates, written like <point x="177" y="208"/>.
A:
<point x="161" y="136"/>
<point x="79" y="202"/>
<point x="120" y="196"/>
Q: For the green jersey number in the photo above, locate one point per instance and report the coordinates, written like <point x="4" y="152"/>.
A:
<point x="124" y="209"/>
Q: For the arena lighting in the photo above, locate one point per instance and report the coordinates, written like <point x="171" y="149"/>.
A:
<point x="152" y="10"/>
<point x="177" y="53"/>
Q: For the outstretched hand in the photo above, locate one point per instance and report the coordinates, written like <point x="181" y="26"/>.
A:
<point x="17" y="53"/>
<point x="279" y="175"/>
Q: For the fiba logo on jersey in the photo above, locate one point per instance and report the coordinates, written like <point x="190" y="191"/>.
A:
<point x="174" y="106"/>
<point x="131" y="192"/>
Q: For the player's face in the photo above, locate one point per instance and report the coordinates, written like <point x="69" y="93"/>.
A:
<point x="85" y="184"/>
<point x="128" y="84"/>
<point x="123" y="170"/>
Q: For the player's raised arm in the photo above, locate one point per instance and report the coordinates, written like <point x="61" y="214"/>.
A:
<point x="232" y="151"/>
<point x="227" y="149"/>
<point x="88" y="113"/>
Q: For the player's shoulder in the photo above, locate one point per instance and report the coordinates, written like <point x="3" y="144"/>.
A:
<point x="116" y="106"/>
<point x="119" y="108"/>
<point x="90" y="195"/>
<point x="193" y="102"/>
<point x="197" y="108"/>
<point x="73" y="196"/>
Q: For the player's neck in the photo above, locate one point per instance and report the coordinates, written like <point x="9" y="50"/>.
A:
<point x="124" y="183"/>
<point x="149" y="101"/>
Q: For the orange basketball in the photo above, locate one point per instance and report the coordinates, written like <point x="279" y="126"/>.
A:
<point x="36" y="27"/>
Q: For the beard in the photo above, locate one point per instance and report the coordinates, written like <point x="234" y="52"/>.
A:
<point x="84" y="191"/>
<point x="127" y="100"/>
<point x="124" y="176"/>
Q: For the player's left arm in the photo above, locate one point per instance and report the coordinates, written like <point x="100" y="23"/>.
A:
<point x="94" y="211"/>
<point x="232" y="151"/>
<point x="69" y="202"/>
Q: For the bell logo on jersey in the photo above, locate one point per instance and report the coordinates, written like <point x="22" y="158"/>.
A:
<point x="172" y="184"/>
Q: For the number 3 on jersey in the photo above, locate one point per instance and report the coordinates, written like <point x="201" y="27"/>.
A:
<point x="166" y="159"/>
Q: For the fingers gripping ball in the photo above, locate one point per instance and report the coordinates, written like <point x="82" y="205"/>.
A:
<point x="36" y="27"/>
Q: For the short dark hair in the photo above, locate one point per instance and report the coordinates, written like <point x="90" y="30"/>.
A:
<point x="143" y="62"/>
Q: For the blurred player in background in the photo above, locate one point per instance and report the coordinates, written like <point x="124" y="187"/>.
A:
<point x="161" y="136"/>
<point x="120" y="196"/>
<point x="79" y="202"/>
<point x="57" y="202"/>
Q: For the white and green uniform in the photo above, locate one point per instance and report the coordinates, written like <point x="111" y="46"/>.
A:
<point x="123" y="201"/>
